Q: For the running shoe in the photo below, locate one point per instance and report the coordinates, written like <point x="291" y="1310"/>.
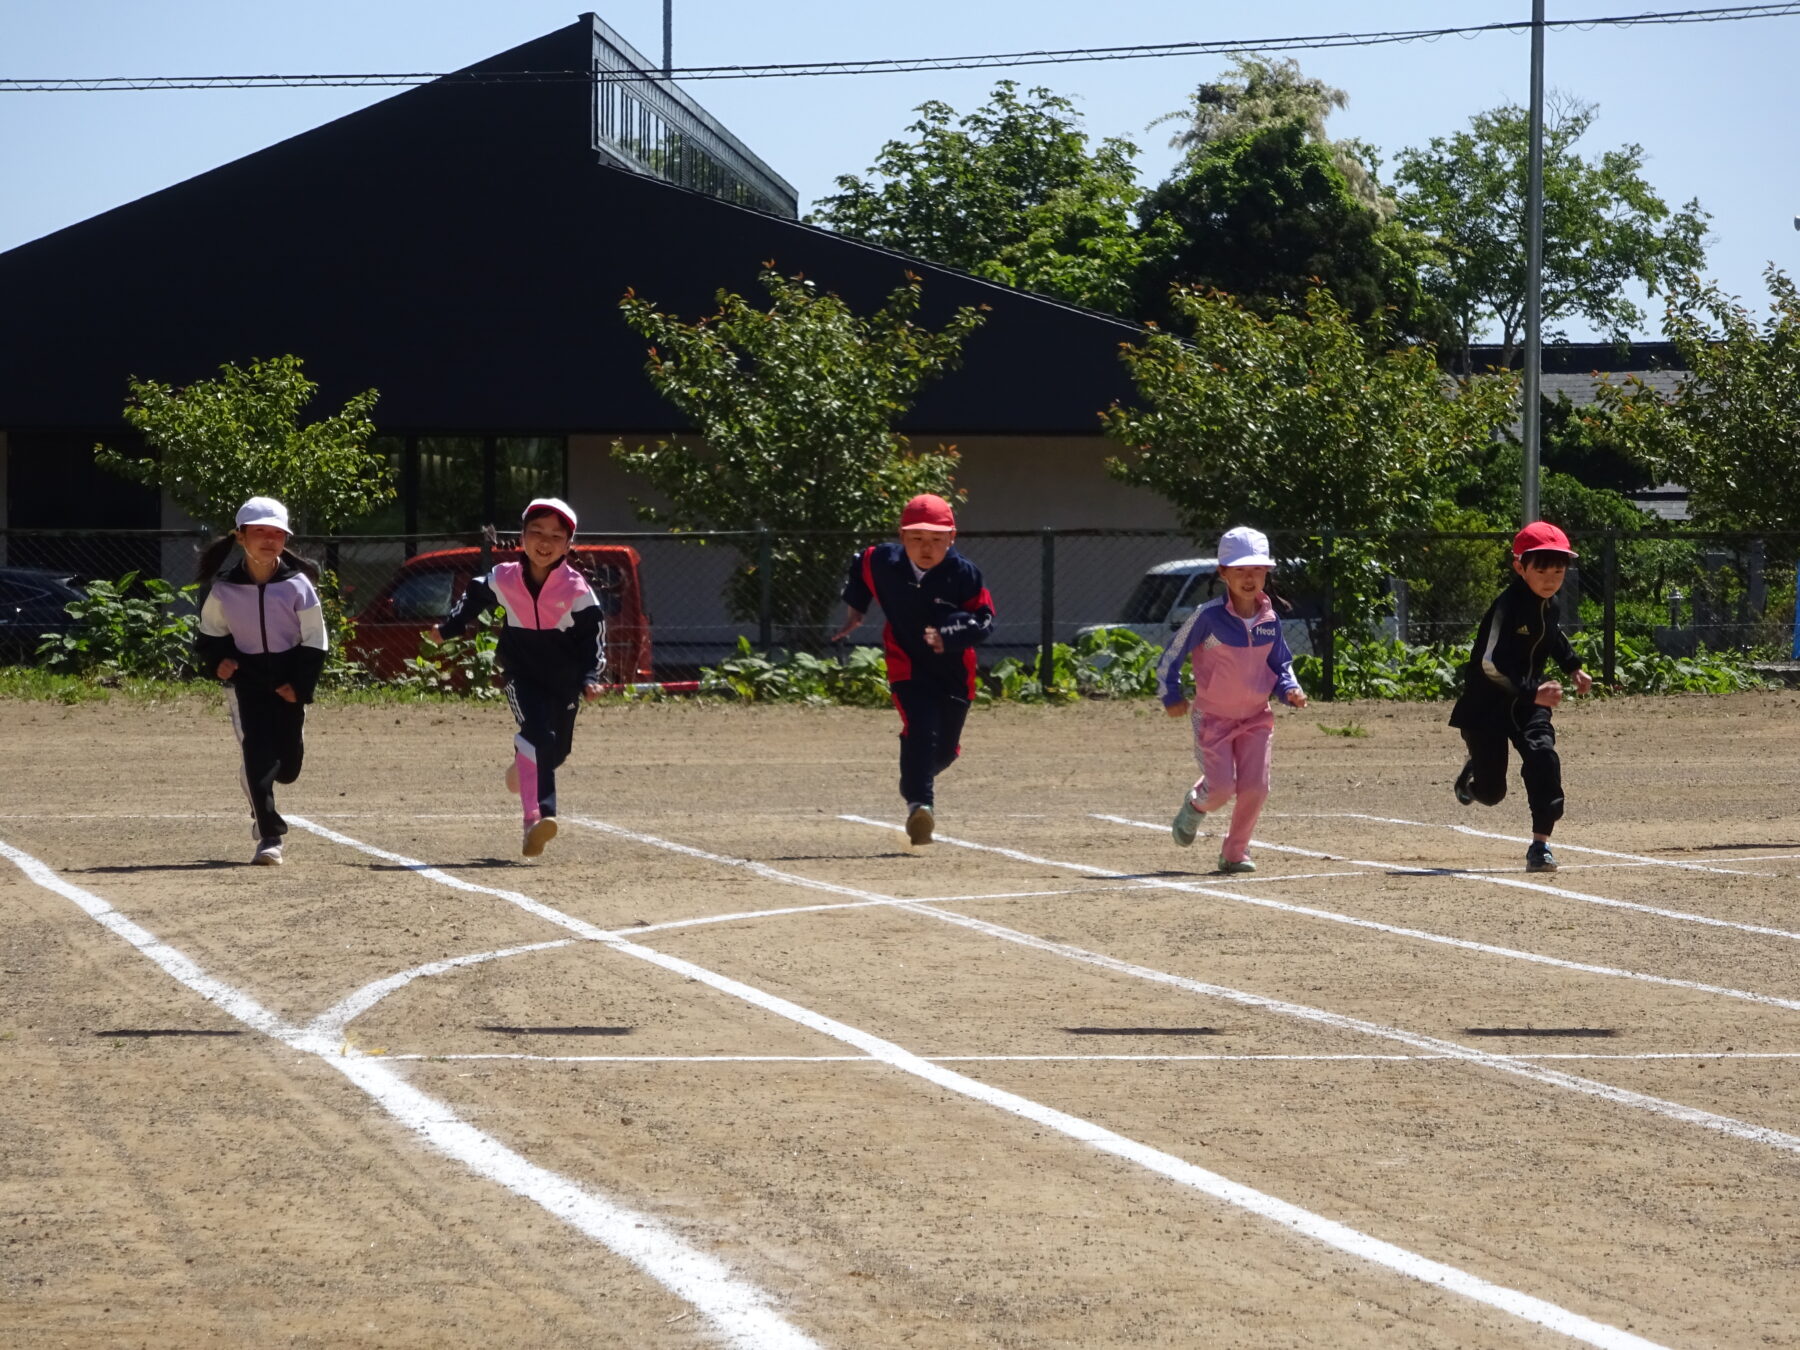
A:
<point x="1187" y="821"/>
<point x="268" y="852"/>
<point x="537" y="834"/>
<point x="1465" y="793"/>
<point x="919" y="824"/>
<point x="1241" y="865"/>
<point x="1539" y="858"/>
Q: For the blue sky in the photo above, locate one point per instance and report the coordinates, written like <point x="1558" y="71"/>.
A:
<point x="1709" y="103"/>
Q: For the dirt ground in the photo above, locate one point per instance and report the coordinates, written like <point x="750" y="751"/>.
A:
<point x="1090" y="1094"/>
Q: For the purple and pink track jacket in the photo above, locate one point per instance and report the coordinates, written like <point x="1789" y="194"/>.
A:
<point x="1238" y="663"/>
<point x="555" y="636"/>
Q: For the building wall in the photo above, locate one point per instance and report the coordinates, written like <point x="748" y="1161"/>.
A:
<point x="4" y="516"/>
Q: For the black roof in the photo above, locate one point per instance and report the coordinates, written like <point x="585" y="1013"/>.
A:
<point x="462" y="248"/>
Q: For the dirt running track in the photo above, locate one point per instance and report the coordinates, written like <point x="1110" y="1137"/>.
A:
<point x="1089" y="1095"/>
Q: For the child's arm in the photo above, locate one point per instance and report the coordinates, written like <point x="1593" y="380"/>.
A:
<point x="589" y="636"/>
<point x="309" y="656"/>
<point x="1168" y="670"/>
<point x="479" y="597"/>
<point x="1281" y="661"/>
<point x="858" y="594"/>
<point x="214" y="652"/>
<point x="968" y="626"/>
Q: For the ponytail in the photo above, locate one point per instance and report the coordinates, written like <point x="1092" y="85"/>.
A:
<point x="212" y="558"/>
<point x="304" y="564"/>
<point x="1276" y="599"/>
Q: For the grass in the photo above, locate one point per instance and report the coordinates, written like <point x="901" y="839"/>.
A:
<point x="1353" y="729"/>
<point x="31" y="684"/>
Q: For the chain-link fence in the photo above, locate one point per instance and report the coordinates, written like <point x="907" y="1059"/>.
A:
<point x="679" y="602"/>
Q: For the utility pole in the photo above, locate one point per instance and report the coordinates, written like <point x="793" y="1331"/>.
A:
<point x="1534" y="269"/>
<point x="668" y="39"/>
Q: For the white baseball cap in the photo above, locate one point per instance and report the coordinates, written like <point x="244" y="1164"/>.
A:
<point x="263" y="511"/>
<point x="556" y="504"/>
<point x="1244" y="547"/>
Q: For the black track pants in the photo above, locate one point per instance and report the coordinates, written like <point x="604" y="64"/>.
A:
<point x="1535" y="739"/>
<point x="931" y="725"/>
<point x="271" y="734"/>
<point x="546" y="731"/>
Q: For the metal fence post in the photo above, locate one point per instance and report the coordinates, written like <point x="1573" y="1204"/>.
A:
<point x="1328" y="679"/>
<point x="1609" y="585"/>
<point x="1047" y="607"/>
<point x="765" y="590"/>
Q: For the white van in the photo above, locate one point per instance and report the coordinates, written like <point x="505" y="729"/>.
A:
<point x="1168" y="592"/>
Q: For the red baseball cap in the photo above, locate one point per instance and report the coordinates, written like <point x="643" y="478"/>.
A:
<point x="927" y="512"/>
<point x="1542" y="536"/>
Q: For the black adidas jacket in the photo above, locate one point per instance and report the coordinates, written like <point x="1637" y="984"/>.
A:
<point x="1518" y="634"/>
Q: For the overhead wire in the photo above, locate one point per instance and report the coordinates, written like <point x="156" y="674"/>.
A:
<point x="889" y="65"/>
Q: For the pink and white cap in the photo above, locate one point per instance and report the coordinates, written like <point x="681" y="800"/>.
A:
<point x="1244" y="547"/>
<point x="555" y="504"/>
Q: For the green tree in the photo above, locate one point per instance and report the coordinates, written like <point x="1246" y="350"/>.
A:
<point x="220" y="441"/>
<point x="1604" y="226"/>
<point x="1011" y="192"/>
<point x="793" y="409"/>
<point x="1730" y="432"/>
<point x="1298" y="422"/>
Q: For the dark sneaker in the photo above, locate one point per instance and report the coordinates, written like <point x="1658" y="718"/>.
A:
<point x="1187" y="821"/>
<point x="537" y="834"/>
<point x="1464" y="793"/>
<point x="1539" y="858"/>
<point x="918" y="825"/>
<point x="268" y="852"/>
<point x="1241" y="865"/>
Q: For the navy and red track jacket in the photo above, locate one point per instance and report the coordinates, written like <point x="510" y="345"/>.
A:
<point x="950" y="598"/>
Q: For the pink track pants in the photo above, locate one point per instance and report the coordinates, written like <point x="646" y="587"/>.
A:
<point x="1234" y="755"/>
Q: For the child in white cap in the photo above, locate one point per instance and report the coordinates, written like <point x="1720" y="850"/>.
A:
<point x="262" y="632"/>
<point x="1240" y="658"/>
<point x="552" y="649"/>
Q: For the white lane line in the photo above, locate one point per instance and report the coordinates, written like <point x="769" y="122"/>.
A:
<point x="1331" y="1233"/>
<point x="1492" y="879"/>
<point x="330" y="1024"/>
<point x="1562" y="845"/>
<point x="1080" y="1059"/>
<point x="742" y="1314"/>
<point x="1727" y="1125"/>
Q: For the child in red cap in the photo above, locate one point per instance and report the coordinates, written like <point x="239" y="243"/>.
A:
<point x="937" y="610"/>
<point x="1505" y="696"/>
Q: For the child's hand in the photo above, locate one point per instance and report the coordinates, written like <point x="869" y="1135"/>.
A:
<point x="1583" y="682"/>
<point x="1549" y="694"/>
<point x="590" y="691"/>
<point x="934" y="640"/>
<point x="1176" y="709"/>
<point x="227" y="668"/>
<point x="1296" y="698"/>
<point x="286" y="691"/>
<point x="852" y="621"/>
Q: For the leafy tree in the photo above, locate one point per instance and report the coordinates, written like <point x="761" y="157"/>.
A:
<point x="1584" y="442"/>
<point x="1604" y="226"/>
<point x="1262" y="94"/>
<point x="1731" y="430"/>
<point x="1011" y="192"/>
<point x="793" y="409"/>
<point x="1267" y="217"/>
<point x="221" y="441"/>
<point x="1298" y="422"/>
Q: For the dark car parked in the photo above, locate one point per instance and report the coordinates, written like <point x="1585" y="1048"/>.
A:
<point x="33" y="601"/>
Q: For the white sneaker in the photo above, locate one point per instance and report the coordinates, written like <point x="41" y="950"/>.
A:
<point x="537" y="834"/>
<point x="918" y="825"/>
<point x="268" y="853"/>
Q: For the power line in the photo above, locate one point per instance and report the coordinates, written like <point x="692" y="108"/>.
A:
<point x="887" y="65"/>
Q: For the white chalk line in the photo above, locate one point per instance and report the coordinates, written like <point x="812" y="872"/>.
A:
<point x="742" y="1314"/>
<point x="1327" y="1231"/>
<point x="331" y="1024"/>
<point x="1562" y="845"/>
<point x="1726" y="1125"/>
<point x="1516" y="882"/>
<point x="1085" y="1059"/>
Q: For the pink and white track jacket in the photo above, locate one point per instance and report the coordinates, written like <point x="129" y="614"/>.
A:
<point x="1238" y="663"/>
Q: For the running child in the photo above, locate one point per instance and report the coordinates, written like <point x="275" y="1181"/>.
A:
<point x="263" y="633"/>
<point x="552" y="650"/>
<point x="937" y="610"/>
<point x="1240" y="659"/>
<point x="1505" y="696"/>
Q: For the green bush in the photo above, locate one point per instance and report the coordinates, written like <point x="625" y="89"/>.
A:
<point x="468" y="665"/>
<point x="858" y="680"/>
<point x="127" y="628"/>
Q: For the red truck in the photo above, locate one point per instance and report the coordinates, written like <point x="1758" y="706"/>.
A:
<point x="389" y="627"/>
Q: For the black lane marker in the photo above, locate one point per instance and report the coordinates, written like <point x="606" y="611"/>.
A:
<point x="1143" y="1031"/>
<point x="559" y="1031"/>
<point x="1539" y="1031"/>
<point x="165" y="1031"/>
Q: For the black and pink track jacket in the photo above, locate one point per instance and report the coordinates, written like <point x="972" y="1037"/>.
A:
<point x="555" y="636"/>
<point x="274" y="630"/>
<point x="950" y="598"/>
